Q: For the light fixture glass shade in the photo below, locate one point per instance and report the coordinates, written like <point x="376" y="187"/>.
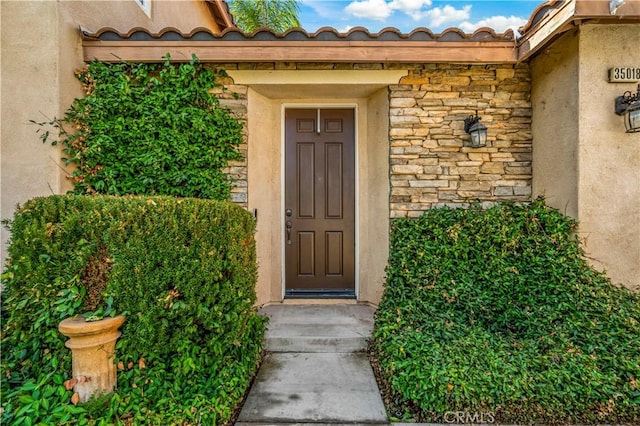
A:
<point x="478" y="134"/>
<point x="632" y="118"/>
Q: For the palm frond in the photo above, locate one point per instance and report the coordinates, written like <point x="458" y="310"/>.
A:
<point x="277" y="15"/>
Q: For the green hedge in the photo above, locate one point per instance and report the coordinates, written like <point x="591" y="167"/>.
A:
<point x="148" y="129"/>
<point x="182" y="270"/>
<point x="496" y="313"/>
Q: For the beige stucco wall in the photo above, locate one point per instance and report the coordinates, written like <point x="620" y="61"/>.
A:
<point x="555" y="124"/>
<point x="265" y="183"/>
<point x="268" y="95"/>
<point x="30" y="91"/>
<point x="373" y="166"/>
<point x="41" y="48"/>
<point x="584" y="162"/>
<point x="609" y="178"/>
<point x="123" y="15"/>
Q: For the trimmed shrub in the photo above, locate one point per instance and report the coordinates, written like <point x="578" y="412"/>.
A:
<point x="182" y="270"/>
<point x="496" y="313"/>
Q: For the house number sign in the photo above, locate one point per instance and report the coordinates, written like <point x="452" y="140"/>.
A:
<point x="624" y="74"/>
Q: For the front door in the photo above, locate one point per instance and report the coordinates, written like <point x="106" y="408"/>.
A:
<point x="319" y="211"/>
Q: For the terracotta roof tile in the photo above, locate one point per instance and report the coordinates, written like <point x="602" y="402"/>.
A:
<point x="539" y="14"/>
<point x="298" y="34"/>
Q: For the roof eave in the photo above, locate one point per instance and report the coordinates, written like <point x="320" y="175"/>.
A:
<point x="324" y="46"/>
<point x="565" y="15"/>
<point x="295" y="51"/>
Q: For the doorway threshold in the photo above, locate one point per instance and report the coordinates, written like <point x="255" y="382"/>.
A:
<point x="313" y="294"/>
<point x="310" y="301"/>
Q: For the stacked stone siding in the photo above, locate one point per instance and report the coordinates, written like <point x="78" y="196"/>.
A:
<point x="234" y="98"/>
<point x="429" y="165"/>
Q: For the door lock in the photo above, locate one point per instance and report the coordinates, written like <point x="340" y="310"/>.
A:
<point x="288" y="212"/>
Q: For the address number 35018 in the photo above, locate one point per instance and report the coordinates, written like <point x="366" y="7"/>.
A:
<point x="624" y="74"/>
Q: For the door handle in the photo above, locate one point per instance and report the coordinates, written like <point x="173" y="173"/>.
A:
<point x="288" y="225"/>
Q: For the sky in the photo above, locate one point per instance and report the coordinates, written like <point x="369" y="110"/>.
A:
<point x="406" y="15"/>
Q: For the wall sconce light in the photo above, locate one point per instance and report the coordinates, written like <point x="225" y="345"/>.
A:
<point x="628" y="105"/>
<point x="477" y="131"/>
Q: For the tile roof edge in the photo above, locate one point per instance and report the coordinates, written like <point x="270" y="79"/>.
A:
<point x="480" y="34"/>
<point x="539" y="13"/>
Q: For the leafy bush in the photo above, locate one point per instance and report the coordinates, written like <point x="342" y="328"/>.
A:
<point x="148" y="129"/>
<point x="495" y="312"/>
<point x="183" y="270"/>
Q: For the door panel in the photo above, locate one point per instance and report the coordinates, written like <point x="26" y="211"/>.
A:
<point x="333" y="255"/>
<point x="306" y="180"/>
<point x="334" y="187"/>
<point x="320" y="194"/>
<point x="306" y="249"/>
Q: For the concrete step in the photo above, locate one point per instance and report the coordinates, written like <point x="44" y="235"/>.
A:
<point x="315" y="370"/>
<point x="329" y="388"/>
<point x="318" y="328"/>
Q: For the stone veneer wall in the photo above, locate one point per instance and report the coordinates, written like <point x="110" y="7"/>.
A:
<point x="234" y="97"/>
<point x="429" y="165"/>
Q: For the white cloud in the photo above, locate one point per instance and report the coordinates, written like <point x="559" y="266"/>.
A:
<point x="436" y="17"/>
<point x="439" y="16"/>
<point x="498" y="23"/>
<point x="409" y="6"/>
<point x="370" y="9"/>
<point x="383" y="9"/>
<point x="345" y="29"/>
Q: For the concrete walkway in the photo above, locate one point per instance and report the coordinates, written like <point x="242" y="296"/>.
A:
<point x="315" y="370"/>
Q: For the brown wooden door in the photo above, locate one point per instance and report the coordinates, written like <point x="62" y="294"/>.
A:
<point x="319" y="211"/>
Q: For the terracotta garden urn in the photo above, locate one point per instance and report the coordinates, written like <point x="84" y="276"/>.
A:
<point x="92" y="345"/>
